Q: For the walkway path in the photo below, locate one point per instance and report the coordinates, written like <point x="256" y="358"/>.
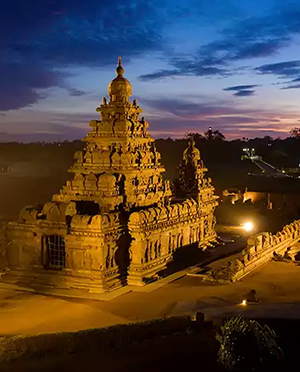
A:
<point x="29" y="313"/>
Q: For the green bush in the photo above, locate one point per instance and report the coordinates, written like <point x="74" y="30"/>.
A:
<point x="245" y="345"/>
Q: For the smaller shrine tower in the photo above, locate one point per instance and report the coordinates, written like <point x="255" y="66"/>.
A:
<point x="192" y="181"/>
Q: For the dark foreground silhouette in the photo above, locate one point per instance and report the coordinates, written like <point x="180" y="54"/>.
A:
<point x="187" y="348"/>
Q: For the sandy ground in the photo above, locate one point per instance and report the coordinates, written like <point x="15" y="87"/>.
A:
<point x="277" y="285"/>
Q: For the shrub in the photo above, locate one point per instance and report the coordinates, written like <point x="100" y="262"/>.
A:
<point x="245" y="345"/>
<point x="20" y="347"/>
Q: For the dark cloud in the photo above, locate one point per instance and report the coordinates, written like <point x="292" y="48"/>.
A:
<point x="249" y="37"/>
<point x="240" y="87"/>
<point x="286" y="69"/>
<point x="242" y="90"/>
<point x="183" y="108"/>
<point x="39" y="39"/>
<point x="297" y="86"/>
<point x="259" y="49"/>
<point x="50" y="36"/>
<point x="234" y="48"/>
<point x="265" y="35"/>
<point x="159" y="74"/>
<point x="20" y="83"/>
<point x="291" y="84"/>
<point x="255" y="37"/>
<point x="187" y="68"/>
<point x="244" y="93"/>
<point x="73" y="92"/>
<point x="225" y="110"/>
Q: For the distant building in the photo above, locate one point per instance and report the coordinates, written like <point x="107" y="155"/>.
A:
<point x="267" y="192"/>
<point x="116" y="222"/>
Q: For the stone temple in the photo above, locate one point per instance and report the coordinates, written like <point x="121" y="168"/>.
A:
<point x="118" y="221"/>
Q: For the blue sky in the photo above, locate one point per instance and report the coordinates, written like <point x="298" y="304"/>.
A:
<point x="229" y="64"/>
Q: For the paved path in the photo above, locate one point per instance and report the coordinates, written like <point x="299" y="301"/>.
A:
<point x="29" y="313"/>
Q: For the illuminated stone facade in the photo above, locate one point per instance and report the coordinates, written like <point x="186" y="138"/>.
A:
<point x="116" y="222"/>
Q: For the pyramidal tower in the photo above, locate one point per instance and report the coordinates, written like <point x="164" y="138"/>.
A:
<point x="120" y="167"/>
<point x="116" y="222"/>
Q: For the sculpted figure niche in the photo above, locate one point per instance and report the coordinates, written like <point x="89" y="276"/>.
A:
<point x="117" y="221"/>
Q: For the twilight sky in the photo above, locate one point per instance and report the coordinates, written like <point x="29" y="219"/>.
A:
<point x="233" y="65"/>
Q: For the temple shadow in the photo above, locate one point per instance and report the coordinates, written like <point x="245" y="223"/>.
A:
<point x="122" y="256"/>
<point x="189" y="255"/>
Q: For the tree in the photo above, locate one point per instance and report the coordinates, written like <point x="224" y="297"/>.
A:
<point x="214" y="135"/>
<point x="194" y="136"/>
<point x="295" y="132"/>
<point x="245" y="345"/>
<point x="268" y="139"/>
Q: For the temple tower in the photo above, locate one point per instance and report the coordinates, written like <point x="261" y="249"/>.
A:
<point x="120" y="167"/>
<point x="192" y="182"/>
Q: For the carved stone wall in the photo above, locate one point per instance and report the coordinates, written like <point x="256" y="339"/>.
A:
<point x="261" y="248"/>
<point x="158" y="232"/>
<point x="91" y="245"/>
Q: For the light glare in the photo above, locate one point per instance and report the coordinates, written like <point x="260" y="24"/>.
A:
<point x="248" y="226"/>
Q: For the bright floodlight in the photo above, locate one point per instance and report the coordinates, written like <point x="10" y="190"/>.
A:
<point x="248" y="226"/>
<point x="244" y="302"/>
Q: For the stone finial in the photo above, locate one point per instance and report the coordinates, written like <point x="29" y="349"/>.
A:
<point x="119" y="89"/>
<point x="120" y="69"/>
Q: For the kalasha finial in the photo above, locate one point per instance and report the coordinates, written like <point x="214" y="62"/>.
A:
<point x="120" y="69"/>
<point x="191" y="143"/>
